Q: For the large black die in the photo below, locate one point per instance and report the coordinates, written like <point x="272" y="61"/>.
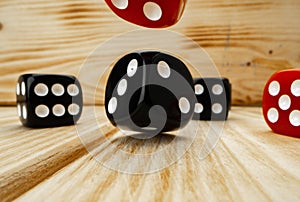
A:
<point x="45" y="100"/>
<point x="149" y="91"/>
<point x="214" y="98"/>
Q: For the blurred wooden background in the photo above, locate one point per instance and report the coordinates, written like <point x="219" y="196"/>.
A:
<point x="248" y="39"/>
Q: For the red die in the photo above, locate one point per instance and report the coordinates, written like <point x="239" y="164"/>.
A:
<point x="281" y="102"/>
<point x="152" y="14"/>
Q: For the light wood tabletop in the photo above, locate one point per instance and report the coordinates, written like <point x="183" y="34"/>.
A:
<point x="247" y="39"/>
<point x="249" y="163"/>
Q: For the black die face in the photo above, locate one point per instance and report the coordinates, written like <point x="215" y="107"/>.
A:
<point x="214" y="98"/>
<point x="129" y="67"/>
<point x="48" y="100"/>
<point x="155" y="83"/>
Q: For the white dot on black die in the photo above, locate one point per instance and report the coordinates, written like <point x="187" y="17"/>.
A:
<point x="73" y="90"/>
<point x="274" y="88"/>
<point x="199" y="89"/>
<point x="122" y="87"/>
<point x="132" y="67"/>
<point x="184" y="105"/>
<point x="198" y="108"/>
<point x="23" y="88"/>
<point x="19" y="110"/>
<point x="120" y="4"/>
<point x="295" y="88"/>
<point x="112" y="105"/>
<point x="163" y="69"/>
<point x="284" y="102"/>
<point x="42" y="111"/>
<point x="217" y="89"/>
<point x="18" y="89"/>
<point x="24" y="112"/>
<point x="41" y="90"/>
<point x="74" y="109"/>
<point x="58" y="110"/>
<point x="295" y="118"/>
<point x="273" y="115"/>
<point x="217" y="108"/>
<point x="152" y="11"/>
<point x="58" y="89"/>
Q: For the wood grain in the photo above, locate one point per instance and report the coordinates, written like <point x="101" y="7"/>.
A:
<point x="248" y="164"/>
<point x="248" y="39"/>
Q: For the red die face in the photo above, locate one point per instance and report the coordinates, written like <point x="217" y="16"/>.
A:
<point x="152" y="14"/>
<point x="281" y="102"/>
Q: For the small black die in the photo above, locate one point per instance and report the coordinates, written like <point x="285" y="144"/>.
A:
<point x="214" y="98"/>
<point x="45" y="100"/>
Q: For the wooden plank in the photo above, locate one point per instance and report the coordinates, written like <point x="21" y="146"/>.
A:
<point x="248" y="39"/>
<point x="30" y="156"/>
<point x="248" y="164"/>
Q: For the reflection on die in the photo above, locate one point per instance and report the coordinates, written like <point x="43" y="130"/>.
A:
<point x="152" y="14"/>
<point x="281" y="102"/>
<point x="45" y="100"/>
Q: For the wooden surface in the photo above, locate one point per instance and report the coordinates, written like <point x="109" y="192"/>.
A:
<point x="248" y="39"/>
<point x="250" y="163"/>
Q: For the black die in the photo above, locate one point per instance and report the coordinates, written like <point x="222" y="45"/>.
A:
<point x="45" y="100"/>
<point x="214" y="98"/>
<point x="143" y="87"/>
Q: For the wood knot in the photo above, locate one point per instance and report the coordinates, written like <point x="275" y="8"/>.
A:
<point x="1" y="26"/>
<point x="270" y="52"/>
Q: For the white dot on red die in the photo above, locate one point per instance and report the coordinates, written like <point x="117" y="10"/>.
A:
<point x="184" y="105"/>
<point x="274" y="88"/>
<point x="295" y="88"/>
<point x="132" y="67"/>
<point x="152" y="11"/>
<point x="273" y="115"/>
<point x="295" y="118"/>
<point x="120" y="4"/>
<point x="284" y="102"/>
<point x="112" y="105"/>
